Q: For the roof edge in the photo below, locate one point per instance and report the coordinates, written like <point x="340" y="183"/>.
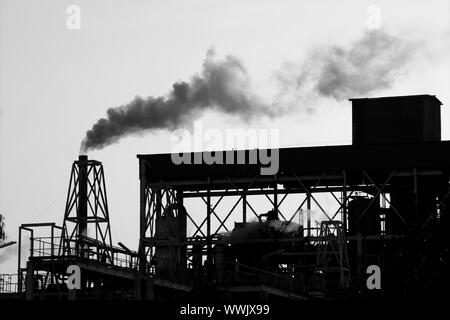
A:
<point x="397" y="97"/>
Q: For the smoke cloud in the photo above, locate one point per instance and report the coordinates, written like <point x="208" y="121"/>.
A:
<point x="223" y="85"/>
<point x="369" y="64"/>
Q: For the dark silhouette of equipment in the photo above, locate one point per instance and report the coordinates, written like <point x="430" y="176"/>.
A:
<point x="86" y="206"/>
<point x="226" y="232"/>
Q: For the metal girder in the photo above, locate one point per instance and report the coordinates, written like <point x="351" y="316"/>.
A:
<point x="212" y="211"/>
<point x="332" y="183"/>
<point x="379" y="192"/>
<point x="308" y="192"/>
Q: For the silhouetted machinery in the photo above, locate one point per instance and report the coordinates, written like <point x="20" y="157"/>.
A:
<point x="255" y="246"/>
<point x="391" y="187"/>
<point x="169" y="259"/>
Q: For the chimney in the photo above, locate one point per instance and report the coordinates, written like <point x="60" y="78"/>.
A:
<point x="402" y="119"/>
<point x="82" y="194"/>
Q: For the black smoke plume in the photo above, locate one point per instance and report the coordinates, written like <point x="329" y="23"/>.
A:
<point x="369" y="64"/>
<point x="222" y="85"/>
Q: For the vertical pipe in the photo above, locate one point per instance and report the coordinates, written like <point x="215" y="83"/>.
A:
<point x="31" y="243"/>
<point x="82" y="194"/>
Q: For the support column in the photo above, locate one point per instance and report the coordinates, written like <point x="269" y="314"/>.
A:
<point x="359" y="254"/>
<point x="149" y="291"/>
<point x="29" y="283"/>
<point x="244" y="206"/>
<point x="308" y="213"/>
<point x="275" y="197"/>
<point x="72" y="294"/>
<point x="208" y="231"/>
<point x="142" y="216"/>
<point x="416" y="198"/>
<point x="143" y="289"/>
<point x="137" y="288"/>
<point x="344" y="204"/>
<point x="182" y="223"/>
<point x="19" y="268"/>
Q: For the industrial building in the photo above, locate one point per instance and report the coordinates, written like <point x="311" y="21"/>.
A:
<point x="391" y="209"/>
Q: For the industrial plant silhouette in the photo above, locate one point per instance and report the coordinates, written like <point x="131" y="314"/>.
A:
<point x="391" y="188"/>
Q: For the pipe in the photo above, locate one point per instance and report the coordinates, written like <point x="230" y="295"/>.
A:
<point x="82" y="194"/>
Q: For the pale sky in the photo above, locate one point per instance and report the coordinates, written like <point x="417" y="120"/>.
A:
<point x="55" y="82"/>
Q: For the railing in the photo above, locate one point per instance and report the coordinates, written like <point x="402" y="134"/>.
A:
<point x="83" y="248"/>
<point x="43" y="247"/>
<point x="9" y="283"/>
<point x="233" y="274"/>
<point x="243" y="274"/>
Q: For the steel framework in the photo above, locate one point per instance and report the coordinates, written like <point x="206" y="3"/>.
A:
<point x="86" y="205"/>
<point x="158" y="194"/>
<point x="107" y="270"/>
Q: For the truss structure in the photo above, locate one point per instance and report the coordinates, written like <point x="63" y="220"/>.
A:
<point x="306" y="189"/>
<point x="86" y="209"/>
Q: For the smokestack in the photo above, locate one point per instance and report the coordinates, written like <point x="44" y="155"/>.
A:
<point x="82" y="194"/>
